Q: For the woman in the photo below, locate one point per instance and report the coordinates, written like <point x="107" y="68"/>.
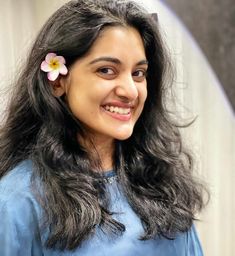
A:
<point x="91" y="163"/>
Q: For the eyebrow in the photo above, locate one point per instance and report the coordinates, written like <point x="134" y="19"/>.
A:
<point x="116" y="61"/>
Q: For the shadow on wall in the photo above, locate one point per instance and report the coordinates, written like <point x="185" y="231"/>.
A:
<point x="212" y="25"/>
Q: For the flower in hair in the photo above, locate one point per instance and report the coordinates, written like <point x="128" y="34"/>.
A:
<point x="54" y="65"/>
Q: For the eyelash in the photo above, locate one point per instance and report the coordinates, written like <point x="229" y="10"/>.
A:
<point x="106" y="73"/>
<point x="143" y="71"/>
<point x="113" y="72"/>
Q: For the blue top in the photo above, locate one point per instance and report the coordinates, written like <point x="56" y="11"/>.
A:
<point x="20" y="217"/>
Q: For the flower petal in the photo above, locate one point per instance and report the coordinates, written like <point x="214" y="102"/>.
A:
<point x="50" y="56"/>
<point x="61" y="59"/>
<point x="63" y="70"/>
<point x="52" y="75"/>
<point x="45" y="67"/>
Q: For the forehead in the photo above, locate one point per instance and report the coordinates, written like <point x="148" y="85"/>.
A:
<point x="120" y="42"/>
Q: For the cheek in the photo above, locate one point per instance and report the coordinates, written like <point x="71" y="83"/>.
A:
<point x="143" y="93"/>
<point x="142" y="98"/>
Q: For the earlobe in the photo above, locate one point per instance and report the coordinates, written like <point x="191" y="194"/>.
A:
<point x="58" y="87"/>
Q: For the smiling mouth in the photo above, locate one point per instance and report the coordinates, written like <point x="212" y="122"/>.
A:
<point x="117" y="110"/>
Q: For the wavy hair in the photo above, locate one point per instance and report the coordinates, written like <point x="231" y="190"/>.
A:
<point x="152" y="166"/>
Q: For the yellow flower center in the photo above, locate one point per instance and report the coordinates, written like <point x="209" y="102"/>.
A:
<point x="54" y="64"/>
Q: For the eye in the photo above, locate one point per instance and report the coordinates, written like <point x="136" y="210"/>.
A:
<point x="106" y="71"/>
<point x="139" y="75"/>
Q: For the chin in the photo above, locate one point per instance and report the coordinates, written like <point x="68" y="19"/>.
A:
<point x="124" y="133"/>
<point x="123" y="136"/>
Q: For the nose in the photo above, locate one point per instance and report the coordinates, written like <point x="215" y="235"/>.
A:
<point x="126" y="88"/>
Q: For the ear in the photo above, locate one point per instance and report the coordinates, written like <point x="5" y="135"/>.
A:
<point x="58" y="86"/>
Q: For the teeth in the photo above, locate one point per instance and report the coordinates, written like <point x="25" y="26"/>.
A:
<point x="122" y="111"/>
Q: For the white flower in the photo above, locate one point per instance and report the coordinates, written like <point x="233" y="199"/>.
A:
<point x="54" y="65"/>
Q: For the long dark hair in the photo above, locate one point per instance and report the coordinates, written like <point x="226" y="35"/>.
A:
<point x="152" y="166"/>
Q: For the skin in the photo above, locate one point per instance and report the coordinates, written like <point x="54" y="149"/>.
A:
<point x="112" y="73"/>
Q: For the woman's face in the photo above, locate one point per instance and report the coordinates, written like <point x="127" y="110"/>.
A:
<point x="106" y="89"/>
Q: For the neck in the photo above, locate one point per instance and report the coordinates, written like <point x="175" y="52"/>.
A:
<point x="101" y="148"/>
<point x="105" y="150"/>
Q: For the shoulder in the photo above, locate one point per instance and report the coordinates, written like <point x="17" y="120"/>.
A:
<point x="189" y="243"/>
<point x="186" y="243"/>
<point x="16" y="194"/>
<point x="194" y="245"/>
<point x="16" y="181"/>
<point x="17" y="201"/>
<point x="19" y="211"/>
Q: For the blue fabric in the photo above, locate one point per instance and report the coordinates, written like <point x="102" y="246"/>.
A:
<point x="20" y="234"/>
